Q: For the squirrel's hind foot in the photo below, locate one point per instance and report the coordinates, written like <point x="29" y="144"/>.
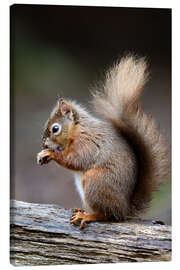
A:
<point x="84" y="217"/>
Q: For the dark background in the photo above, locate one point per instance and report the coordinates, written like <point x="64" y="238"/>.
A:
<point x="64" y="50"/>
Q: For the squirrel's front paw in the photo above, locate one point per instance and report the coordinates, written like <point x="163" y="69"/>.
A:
<point x="44" y="157"/>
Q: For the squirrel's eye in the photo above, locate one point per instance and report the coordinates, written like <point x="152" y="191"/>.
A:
<point x="56" y="128"/>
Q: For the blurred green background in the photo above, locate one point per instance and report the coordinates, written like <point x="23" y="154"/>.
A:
<point x="64" y="50"/>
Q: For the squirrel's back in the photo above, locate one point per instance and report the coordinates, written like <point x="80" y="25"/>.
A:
<point x="116" y="102"/>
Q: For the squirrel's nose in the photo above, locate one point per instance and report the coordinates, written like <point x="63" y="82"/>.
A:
<point x="45" y="143"/>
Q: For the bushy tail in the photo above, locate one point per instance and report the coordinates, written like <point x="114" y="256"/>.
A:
<point x="117" y="102"/>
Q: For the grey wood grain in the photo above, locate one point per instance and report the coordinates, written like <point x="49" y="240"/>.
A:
<point x="41" y="234"/>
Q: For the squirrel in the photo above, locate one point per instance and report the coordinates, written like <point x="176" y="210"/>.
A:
<point x="119" y="156"/>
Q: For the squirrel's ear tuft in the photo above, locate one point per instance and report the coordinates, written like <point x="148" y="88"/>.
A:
<point x="64" y="107"/>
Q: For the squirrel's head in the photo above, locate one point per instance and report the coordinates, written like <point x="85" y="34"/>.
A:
<point x="58" y="129"/>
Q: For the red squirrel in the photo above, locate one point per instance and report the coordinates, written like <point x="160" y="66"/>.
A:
<point x="119" y="157"/>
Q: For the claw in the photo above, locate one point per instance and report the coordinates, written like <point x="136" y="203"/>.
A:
<point x="82" y="225"/>
<point x="74" y="220"/>
<point x="79" y="216"/>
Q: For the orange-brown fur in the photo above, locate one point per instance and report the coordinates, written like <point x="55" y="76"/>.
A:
<point x="121" y="153"/>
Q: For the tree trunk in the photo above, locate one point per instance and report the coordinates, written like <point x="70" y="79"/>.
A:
<point x="41" y="234"/>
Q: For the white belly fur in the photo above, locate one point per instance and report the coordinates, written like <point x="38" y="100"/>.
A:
<point x="77" y="177"/>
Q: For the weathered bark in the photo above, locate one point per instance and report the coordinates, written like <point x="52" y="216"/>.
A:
<point x="42" y="235"/>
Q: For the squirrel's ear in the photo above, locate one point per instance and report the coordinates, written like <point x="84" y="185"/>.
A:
<point x="65" y="108"/>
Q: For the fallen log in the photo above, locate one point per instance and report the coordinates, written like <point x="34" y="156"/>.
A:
<point x="41" y="234"/>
